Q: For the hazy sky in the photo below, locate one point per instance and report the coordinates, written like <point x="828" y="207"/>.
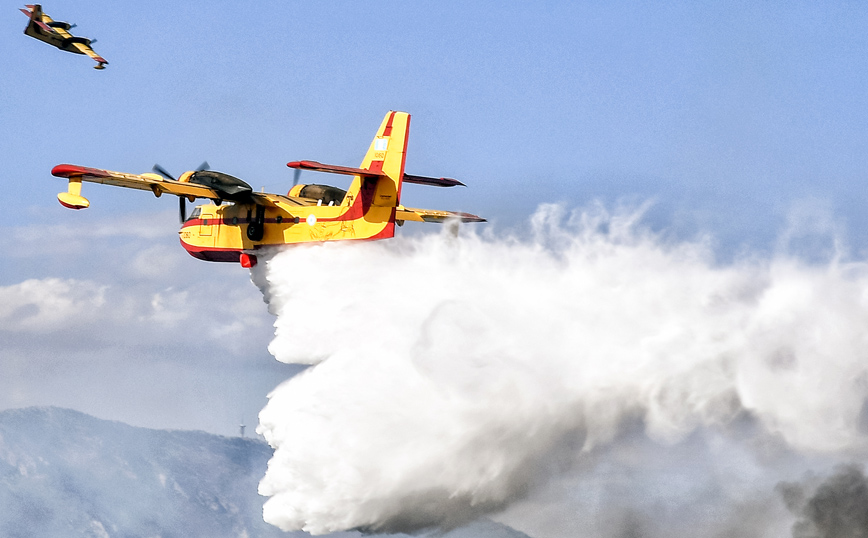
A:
<point x="744" y="121"/>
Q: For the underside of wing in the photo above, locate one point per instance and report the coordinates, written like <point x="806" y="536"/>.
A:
<point x="83" y="46"/>
<point x="86" y="49"/>
<point x="59" y="30"/>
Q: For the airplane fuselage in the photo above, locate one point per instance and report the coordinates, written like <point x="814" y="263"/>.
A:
<point x="222" y="233"/>
<point x="64" y="44"/>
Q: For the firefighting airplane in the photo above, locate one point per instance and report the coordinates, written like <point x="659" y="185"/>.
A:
<point x="56" y="33"/>
<point x="233" y="232"/>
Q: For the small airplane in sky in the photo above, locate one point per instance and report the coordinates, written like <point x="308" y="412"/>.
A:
<point x="233" y="232"/>
<point x="56" y="33"/>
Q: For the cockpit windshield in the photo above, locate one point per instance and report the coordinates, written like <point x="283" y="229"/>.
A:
<point x="195" y="214"/>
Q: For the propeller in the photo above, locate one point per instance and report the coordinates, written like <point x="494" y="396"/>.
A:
<point x="295" y="175"/>
<point x="162" y="171"/>
<point x="182" y="200"/>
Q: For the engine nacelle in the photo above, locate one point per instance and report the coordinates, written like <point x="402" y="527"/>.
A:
<point x="326" y="194"/>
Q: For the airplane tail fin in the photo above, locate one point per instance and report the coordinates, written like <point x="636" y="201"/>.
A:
<point x="385" y="157"/>
<point x="387" y="154"/>
<point x="377" y="196"/>
<point x="34" y="11"/>
<point x="375" y="193"/>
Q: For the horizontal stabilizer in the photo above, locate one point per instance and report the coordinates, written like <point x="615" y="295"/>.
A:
<point x="432" y="181"/>
<point x="334" y="169"/>
<point x="433" y="215"/>
<point x="347" y="170"/>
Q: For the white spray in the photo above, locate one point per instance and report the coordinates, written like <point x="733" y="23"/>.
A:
<point x="453" y="373"/>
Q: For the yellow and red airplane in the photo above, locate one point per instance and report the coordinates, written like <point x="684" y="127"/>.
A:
<point x="233" y="232"/>
<point x="56" y="33"/>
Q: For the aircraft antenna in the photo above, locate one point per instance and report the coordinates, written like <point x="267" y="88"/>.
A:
<point x="242" y="426"/>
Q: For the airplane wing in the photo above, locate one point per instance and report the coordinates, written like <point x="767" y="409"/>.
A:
<point x="274" y="200"/>
<point x="146" y="182"/>
<point x="433" y="215"/>
<point x="86" y="49"/>
<point x="81" y="44"/>
<point x="52" y="26"/>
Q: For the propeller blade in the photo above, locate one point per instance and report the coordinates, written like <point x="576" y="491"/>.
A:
<point x="182" y="208"/>
<point x="93" y="40"/>
<point x="162" y="171"/>
<point x="295" y="175"/>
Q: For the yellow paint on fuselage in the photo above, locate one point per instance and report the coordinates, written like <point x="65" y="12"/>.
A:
<point x="224" y="227"/>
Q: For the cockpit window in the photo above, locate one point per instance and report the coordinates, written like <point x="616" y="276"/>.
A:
<point x="195" y="214"/>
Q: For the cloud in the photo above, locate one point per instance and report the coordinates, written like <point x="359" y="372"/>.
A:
<point x="44" y="306"/>
<point x="128" y="326"/>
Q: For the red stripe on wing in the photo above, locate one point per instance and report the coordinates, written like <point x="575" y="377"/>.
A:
<point x="72" y="170"/>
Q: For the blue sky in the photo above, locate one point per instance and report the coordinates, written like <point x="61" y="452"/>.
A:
<point x="737" y="120"/>
<point x="712" y="110"/>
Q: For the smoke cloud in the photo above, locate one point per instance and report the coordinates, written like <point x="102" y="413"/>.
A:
<point x="455" y="375"/>
<point x="836" y="508"/>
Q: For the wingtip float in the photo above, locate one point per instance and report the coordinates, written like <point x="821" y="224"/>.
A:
<point x="232" y="232"/>
<point x="56" y="34"/>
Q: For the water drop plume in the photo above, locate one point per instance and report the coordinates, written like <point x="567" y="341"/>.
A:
<point x="452" y="375"/>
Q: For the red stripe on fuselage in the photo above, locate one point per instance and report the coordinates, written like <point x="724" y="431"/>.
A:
<point x="387" y="232"/>
<point x="212" y="254"/>
<point x="230" y="255"/>
<point x="403" y="162"/>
